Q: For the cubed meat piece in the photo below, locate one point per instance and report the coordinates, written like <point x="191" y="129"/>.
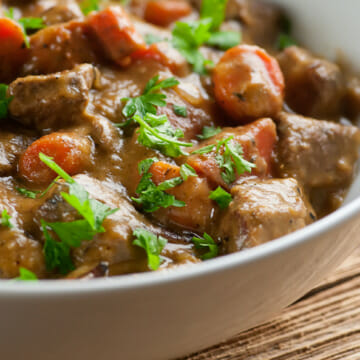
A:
<point x="315" y="152"/>
<point x="117" y="34"/>
<point x="352" y="98"/>
<point x="11" y="147"/>
<point x="16" y="251"/>
<point x="51" y="101"/>
<point x="61" y="47"/>
<point x="114" y="246"/>
<point x="314" y="86"/>
<point x="257" y="141"/>
<point x="61" y="13"/>
<point x="263" y="210"/>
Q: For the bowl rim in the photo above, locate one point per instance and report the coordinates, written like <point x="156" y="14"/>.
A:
<point x="10" y="288"/>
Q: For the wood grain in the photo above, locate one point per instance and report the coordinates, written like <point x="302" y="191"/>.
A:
<point x="324" y="325"/>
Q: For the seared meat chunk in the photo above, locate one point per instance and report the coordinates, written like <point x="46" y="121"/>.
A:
<point x="11" y="147"/>
<point x="316" y="153"/>
<point x="114" y="246"/>
<point x="262" y="211"/>
<point x="314" y="86"/>
<point x="17" y="250"/>
<point x="60" y="47"/>
<point x="61" y="13"/>
<point x="51" y="101"/>
<point x="352" y="98"/>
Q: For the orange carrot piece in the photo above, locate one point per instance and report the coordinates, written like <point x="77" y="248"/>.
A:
<point x="11" y="37"/>
<point x="162" y="171"/>
<point x="163" y="13"/>
<point x="116" y="33"/>
<point x="70" y="151"/>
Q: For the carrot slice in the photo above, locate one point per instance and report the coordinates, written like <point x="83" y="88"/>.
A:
<point x="162" y="171"/>
<point x="163" y="13"/>
<point x="11" y="36"/>
<point x="116" y="33"/>
<point x="70" y="151"/>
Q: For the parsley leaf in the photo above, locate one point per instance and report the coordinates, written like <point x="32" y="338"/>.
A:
<point x="4" y="101"/>
<point x="285" y="39"/>
<point x="26" y="275"/>
<point x="36" y="194"/>
<point x="205" y="150"/>
<point x="180" y="110"/>
<point x="206" y="242"/>
<point x="57" y="254"/>
<point x="152" y="39"/>
<point x="186" y="170"/>
<point x="87" y="6"/>
<point x="26" y="23"/>
<point x="213" y="10"/>
<point x="5" y="219"/>
<point x="224" y="40"/>
<point x="208" y="132"/>
<point x="188" y="37"/>
<point x="71" y="234"/>
<point x="221" y="197"/>
<point x="156" y="132"/>
<point x="147" y="102"/>
<point x="231" y="160"/>
<point x="152" y="244"/>
<point x="152" y="197"/>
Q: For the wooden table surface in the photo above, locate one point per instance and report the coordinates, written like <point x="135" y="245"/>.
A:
<point x="323" y="325"/>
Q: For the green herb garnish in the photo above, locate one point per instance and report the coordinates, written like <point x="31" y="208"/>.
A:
<point x="153" y="197"/>
<point x="150" y="99"/>
<point x="285" y="39"/>
<point x="186" y="170"/>
<point x="5" y="219"/>
<point x="26" y="23"/>
<point x="152" y="244"/>
<point x="208" y="132"/>
<point x="189" y="36"/>
<point x="5" y="100"/>
<point x="87" y="6"/>
<point x="221" y="197"/>
<point x="156" y="132"/>
<point x="180" y="110"/>
<point x="206" y="242"/>
<point x="26" y="275"/>
<point x="36" y="194"/>
<point x="71" y="234"/>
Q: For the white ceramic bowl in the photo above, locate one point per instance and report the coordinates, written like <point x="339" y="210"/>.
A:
<point x="168" y="314"/>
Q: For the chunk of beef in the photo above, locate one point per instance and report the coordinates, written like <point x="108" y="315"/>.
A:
<point x="352" y="98"/>
<point x="61" y="13"/>
<point x="114" y="246"/>
<point x="51" y="101"/>
<point x="17" y="250"/>
<point x="314" y="86"/>
<point x="262" y="211"/>
<point x="61" y="47"/>
<point x="11" y="147"/>
<point x="316" y="153"/>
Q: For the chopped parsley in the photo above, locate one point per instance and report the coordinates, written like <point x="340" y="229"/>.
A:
<point x="26" y="23"/>
<point x="208" y="132"/>
<point x="230" y="161"/>
<point x="206" y="242"/>
<point x="5" y="219"/>
<point x="186" y="171"/>
<point x="26" y="275"/>
<point x="71" y="234"/>
<point x="221" y="197"/>
<point x="5" y="100"/>
<point x="150" y="98"/>
<point x="87" y="6"/>
<point x="156" y="132"/>
<point x="36" y="194"/>
<point x="153" y="197"/>
<point x="180" y="110"/>
<point x="285" y="39"/>
<point x="152" y="244"/>
<point x="187" y="37"/>
<point x="152" y="39"/>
